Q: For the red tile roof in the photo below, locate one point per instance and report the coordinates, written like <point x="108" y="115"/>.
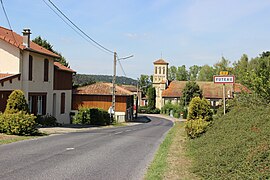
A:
<point x="101" y="89"/>
<point x="130" y="88"/>
<point x="4" y="75"/>
<point x="160" y="61"/>
<point x="6" y="35"/>
<point x="61" y="67"/>
<point x="210" y="89"/>
<point x="7" y="77"/>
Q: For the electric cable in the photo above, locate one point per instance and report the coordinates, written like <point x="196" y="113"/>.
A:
<point x="2" y="4"/>
<point x="98" y="44"/>
<point x="73" y="28"/>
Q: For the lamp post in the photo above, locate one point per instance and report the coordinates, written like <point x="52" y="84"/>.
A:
<point x="114" y="78"/>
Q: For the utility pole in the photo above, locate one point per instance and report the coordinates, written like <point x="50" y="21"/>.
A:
<point x="224" y="99"/>
<point x="113" y="82"/>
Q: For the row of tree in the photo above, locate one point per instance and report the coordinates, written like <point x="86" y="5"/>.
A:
<point x="254" y="73"/>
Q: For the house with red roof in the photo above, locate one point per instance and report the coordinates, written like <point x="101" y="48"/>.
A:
<point x="99" y="95"/>
<point x="24" y="65"/>
<point x="172" y="91"/>
<point x="211" y="91"/>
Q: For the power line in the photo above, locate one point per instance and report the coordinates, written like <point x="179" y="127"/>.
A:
<point x="8" y="21"/>
<point x="121" y="67"/>
<point x="73" y="27"/>
<point x="98" y="44"/>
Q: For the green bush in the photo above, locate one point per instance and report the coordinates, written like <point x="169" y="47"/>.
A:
<point x="235" y="146"/>
<point x="82" y="117"/>
<point x="199" y="109"/>
<point x="195" y="128"/>
<point x="16" y="102"/>
<point x="18" y="124"/>
<point x="175" y="108"/>
<point x="46" y="120"/>
<point x="92" y="116"/>
<point x="147" y="110"/>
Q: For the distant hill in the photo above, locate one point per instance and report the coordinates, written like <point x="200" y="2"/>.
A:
<point x="84" y="79"/>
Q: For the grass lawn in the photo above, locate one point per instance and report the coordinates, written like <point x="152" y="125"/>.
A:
<point x="5" y="139"/>
<point x="170" y="161"/>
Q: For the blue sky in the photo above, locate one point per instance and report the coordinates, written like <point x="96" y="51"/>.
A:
<point x="185" y="32"/>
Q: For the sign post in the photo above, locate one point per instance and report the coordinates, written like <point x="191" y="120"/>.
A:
<point x="224" y="78"/>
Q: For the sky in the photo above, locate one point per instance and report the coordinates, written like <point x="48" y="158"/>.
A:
<point x="182" y="32"/>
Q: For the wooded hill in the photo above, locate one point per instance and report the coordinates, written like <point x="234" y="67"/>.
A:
<point x="85" y="79"/>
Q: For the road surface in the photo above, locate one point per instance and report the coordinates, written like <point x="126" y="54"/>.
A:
<point x="109" y="153"/>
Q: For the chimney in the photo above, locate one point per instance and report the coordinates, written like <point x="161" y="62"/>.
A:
<point x="26" y="37"/>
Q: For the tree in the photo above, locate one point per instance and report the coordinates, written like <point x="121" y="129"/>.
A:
<point x="240" y="69"/>
<point x="151" y="93"/>
<point x="193" y="72"/>
<point x="258" y="77"/>
<point x="190" y="91"/>
<point x="182" y="73"/>
<point x="206" y="73"/>
<point x="199" y="108"/>
<point x="144" y="83"/>
<point x="172" y="73"/>
<point x="222" y="65"/>
<point x="44" y="43"/>
<point x="16" y="102"/>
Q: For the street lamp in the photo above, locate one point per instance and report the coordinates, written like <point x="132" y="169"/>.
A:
<point x="114" y="78"/>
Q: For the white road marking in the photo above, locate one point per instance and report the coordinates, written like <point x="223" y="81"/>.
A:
<point x="119" y="132"/>
<point x="68" y="149"/>
<point x="128" y="130"/>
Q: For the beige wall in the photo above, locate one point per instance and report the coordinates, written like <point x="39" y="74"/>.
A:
<point x="16" y="84"/>
<point x="9" y="58"/>
<point x="13" y="61"/>
<point x="61" y="118"/>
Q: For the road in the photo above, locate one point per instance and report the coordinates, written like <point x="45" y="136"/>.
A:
<point x="109" y="153"/>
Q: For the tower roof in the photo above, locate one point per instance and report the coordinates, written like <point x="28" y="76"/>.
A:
<point x="160" y="61"/>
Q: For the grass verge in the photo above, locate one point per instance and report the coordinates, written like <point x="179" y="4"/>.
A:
<point x="170" y="161"/>
<point x="236" y="146"/>
<point x="6" y="139"/>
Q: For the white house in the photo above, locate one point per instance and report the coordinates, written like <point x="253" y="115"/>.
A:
<point x="24" y="65"/>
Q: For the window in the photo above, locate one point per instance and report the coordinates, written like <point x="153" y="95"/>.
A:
<point x="37" y="103"/>
<point x="63" y="103"/>
<point x="46" y="70"/>
<point x="30" y="104"/>
<point x="159" y="70"/>
<point x="163" y="70"/>
<point x="155" y="70"/>
<point x="30" y="68"/>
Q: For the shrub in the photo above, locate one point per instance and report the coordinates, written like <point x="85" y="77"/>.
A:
<point x="175" y="108"/>
<point x="46" y="120"/>
<point x="199" y="109"/>
<point x="195" y="128"/>
<point x="82" y="117"/>
<point x="18" y="124"/>
<point x="92" y="116"/>
<point x="16" y="102"/>
<point x="147" y="110"/>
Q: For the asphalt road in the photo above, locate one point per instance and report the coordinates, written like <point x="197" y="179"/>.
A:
<point x="110" y="153"/>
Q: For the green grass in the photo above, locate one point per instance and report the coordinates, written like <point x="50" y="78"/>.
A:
<point x="159" y="165"/>
<point x="6" y="139"/>
<point x="236" y="146"/>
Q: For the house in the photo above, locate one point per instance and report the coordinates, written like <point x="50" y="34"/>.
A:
<point x="172" y="91"/>
<point x="211" y="91"/>
<point x="99" y="95"/>
<point x="24" y="65"/>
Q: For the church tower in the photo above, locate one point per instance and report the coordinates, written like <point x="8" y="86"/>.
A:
<point x="160" y="80"/>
